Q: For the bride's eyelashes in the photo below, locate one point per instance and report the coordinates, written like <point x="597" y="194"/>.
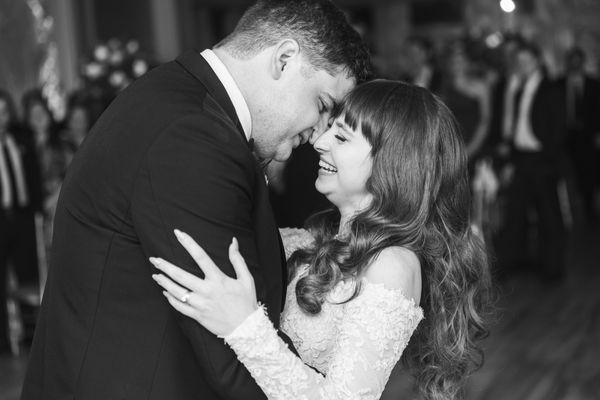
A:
<point x="340" y="138"/>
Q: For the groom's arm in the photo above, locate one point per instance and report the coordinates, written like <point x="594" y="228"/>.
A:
<point x="198" y="177"/>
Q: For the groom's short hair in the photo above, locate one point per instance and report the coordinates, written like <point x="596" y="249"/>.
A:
<point x="320" y="28"/>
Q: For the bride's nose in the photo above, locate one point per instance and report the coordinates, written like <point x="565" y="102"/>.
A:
<point x="321" y="143"/>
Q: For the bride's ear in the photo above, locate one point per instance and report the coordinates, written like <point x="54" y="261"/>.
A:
<point x="285" y="55"/>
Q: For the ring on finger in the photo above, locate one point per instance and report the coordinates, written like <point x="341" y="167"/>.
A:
<point x="185" y="297"/>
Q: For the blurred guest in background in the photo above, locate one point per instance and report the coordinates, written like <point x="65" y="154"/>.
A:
<point x="502" y="91"/>
<point x="18" y="202"/>
<point x="582" y="100"/>
<point x="466" y="92"/>
<point x="422" y="67"/>
<point x="76" y="125"/>
<point x="532" y="144"/>
<point x="41" y="134"/>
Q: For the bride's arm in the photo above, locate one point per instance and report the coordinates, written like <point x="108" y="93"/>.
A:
<point x="375" y="330"/>
<point x="373" y="334"/>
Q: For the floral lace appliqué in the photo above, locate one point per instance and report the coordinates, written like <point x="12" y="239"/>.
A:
<point x="294" y="239"/>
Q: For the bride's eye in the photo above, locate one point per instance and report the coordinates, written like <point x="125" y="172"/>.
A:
<point x="340" y="138"/>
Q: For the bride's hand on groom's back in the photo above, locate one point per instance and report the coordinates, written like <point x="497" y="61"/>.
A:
<point x="218" y="302"/>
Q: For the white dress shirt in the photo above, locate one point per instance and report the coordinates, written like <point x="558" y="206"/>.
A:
<point x="525" y="139"/>
<point x="508" y="122"/>
<point x="8" y="197"/>
<point x="239" y="103"/>
<point x="575" y="84"/>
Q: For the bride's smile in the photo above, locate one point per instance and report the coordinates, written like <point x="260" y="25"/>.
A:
<point x="344" y="166"/>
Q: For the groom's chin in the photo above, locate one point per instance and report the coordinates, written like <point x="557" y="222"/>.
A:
<point x="283" y="154"/>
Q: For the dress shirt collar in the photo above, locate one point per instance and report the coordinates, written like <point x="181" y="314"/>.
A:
<point x="232" y="89"/>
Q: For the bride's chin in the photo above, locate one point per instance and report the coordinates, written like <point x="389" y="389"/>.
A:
<point x="320" y="187"/>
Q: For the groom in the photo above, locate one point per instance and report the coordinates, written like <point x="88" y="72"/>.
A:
<point x="179" y="149"/>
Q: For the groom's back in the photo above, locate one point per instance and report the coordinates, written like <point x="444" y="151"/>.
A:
<point x="105" y="330"/>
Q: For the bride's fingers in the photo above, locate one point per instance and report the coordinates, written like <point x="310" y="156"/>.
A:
<point x="180" y="276"/>
<point x="203" y="260"/>
<point x="174" y="289"/>
<point x="238" y="262"/>
<point x="183" y="308"/>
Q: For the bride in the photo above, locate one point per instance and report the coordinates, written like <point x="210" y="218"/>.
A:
<point x="394" y="270"/>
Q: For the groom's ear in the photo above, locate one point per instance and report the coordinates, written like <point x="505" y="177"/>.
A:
<point x="285" y="56"/>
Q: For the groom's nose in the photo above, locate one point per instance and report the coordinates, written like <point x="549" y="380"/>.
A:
<point x="321" y="127"/>
<point x="305" y="136"/>
<point x="315" y="135"/>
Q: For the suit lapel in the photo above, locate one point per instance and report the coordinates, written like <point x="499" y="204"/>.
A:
<point x="193" y="62"/>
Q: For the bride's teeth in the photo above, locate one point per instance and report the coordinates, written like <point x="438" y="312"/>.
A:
<point x="327" y="167"/>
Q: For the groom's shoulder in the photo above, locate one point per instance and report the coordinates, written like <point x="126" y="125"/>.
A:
<point x="169" y="85"/>
<point x="168" y="93"/>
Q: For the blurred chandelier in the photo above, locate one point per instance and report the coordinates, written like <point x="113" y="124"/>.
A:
<point x="507" y="6"/>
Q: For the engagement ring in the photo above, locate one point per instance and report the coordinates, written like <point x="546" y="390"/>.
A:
<point x="185" y="297"/>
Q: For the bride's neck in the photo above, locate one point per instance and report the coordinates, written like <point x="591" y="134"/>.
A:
<point x="345" y="219"/>
<point x="349" y="212"/>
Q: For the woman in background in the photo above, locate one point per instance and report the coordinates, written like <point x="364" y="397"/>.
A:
<point x="41" y="134"/>
<point x="76" y="125"/>
<point x="467" y="93"/>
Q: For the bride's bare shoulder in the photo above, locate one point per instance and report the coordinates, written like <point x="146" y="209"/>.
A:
<point x="397" y="268"/>
<point x="294" y="239"/>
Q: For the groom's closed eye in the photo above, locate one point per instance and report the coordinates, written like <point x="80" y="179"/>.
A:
<point x="323" y="107"/>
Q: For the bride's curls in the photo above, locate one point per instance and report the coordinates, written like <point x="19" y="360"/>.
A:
<point x="421" y="201"/>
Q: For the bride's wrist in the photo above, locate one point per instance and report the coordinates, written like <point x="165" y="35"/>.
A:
<point x="247" y="324"/>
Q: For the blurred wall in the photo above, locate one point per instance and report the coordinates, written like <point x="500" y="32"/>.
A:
<point x="554" y="24"/>
<point x="166" y="27"/>
<point x="21" y="53"/>
<point x="67" y="41"/>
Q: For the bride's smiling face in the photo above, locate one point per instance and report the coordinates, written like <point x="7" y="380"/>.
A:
<point x="344" y="167"/>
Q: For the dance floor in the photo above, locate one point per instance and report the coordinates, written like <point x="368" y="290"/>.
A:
<point x="543" y="346"/>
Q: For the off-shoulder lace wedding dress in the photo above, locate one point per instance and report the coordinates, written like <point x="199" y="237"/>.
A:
<point x="351" y="346"/>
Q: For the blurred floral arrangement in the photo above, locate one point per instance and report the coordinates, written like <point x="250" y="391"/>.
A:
<point x="114" y="65"/>
<point x="111" y="68"/>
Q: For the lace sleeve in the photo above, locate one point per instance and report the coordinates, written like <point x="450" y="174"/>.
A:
<point x="373" y="334"/>
<point x="294" y="239"/>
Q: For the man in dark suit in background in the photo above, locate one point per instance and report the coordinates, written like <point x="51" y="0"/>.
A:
<point x="533" y="146"/>
<point x="582" y="101"/>
<point x="20" y="198"/>
<point x="174" y="150"/>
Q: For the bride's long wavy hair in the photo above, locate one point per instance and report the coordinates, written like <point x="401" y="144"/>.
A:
<point x="421" y="201"/>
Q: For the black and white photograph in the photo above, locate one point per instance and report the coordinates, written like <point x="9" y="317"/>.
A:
<point x="299" y="199"/>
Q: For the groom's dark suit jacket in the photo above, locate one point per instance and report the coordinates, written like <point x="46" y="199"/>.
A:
<point x="168" y="153"/>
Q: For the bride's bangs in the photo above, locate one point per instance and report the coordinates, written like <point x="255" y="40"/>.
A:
<point x="358" y="109"/>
